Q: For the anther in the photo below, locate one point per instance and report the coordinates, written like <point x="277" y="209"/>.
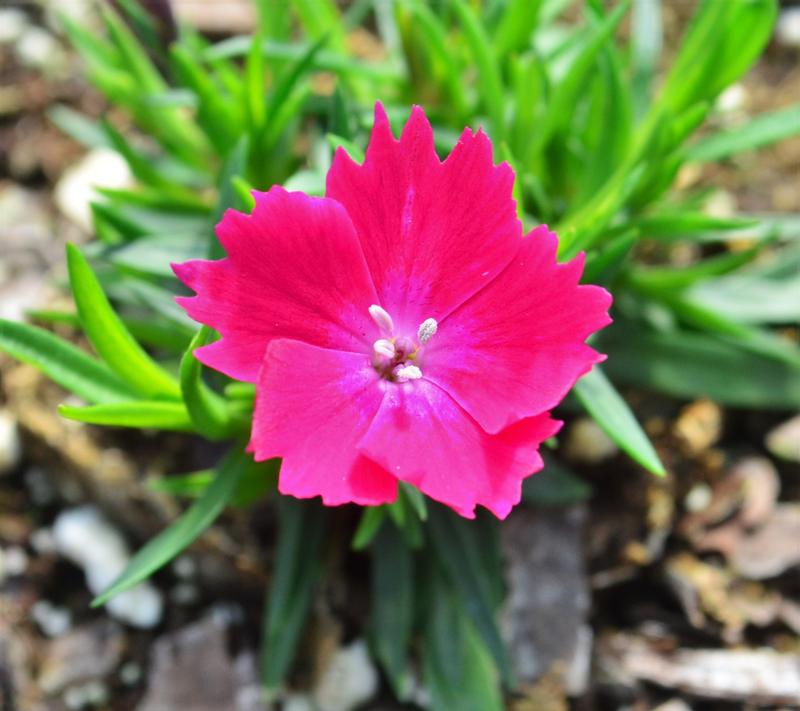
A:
<point x="382" y="318"/>
<point x="384" y="347"/>
<point x="404" y="373"/>
<point x="427" y="330"/>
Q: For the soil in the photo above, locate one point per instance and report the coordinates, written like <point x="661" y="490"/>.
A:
<point x="687" y="588"/>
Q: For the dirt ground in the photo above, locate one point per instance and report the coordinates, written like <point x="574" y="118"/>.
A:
<point x="672" y="594"/>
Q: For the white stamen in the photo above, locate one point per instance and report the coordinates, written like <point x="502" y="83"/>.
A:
<point x="384" y="347"/>
<point x="382" y="318"/>
<point x="404" y="373"/>
<point x="427" y="330"/>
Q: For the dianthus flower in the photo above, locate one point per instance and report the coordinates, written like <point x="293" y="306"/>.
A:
<point x="400" y="328"/>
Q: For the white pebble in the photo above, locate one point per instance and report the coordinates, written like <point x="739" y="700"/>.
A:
<point x="349" y="681"/>
<point x="86" y="538"/>
<point x="130" y="674"/>
<point x="53" y="620"/>
<point x="76" y="189"/>
<point x="14" y="561"/>
<point x="586" y="442"/>
<point x="42" y="541"/>
<point x="10" y="445"/>
<point x="12" y="24"/>
<point x="38" y="49"/>
<point x="699" y="498"/>
<point x="787" y="31"/>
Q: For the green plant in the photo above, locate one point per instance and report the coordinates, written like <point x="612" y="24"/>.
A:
<point x="597" y="138"/>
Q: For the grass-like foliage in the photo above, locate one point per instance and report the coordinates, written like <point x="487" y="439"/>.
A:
<point x="597" y="132"/>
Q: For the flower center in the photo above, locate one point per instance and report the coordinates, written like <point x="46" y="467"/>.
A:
<point x="396" y="358"/>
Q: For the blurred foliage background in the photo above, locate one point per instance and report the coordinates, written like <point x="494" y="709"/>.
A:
<point x="618" y="118"/>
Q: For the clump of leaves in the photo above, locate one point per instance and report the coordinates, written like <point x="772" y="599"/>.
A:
<point x="597" y="138"/>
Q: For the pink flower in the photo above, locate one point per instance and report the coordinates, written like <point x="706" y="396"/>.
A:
<point x="400" y="328"/>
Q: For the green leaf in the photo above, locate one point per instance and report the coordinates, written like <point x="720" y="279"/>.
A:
<point x="421" y="25"/>
<point x="490" y="84"/>
<point x="458" y="668"/>
<point x="750" y="298"/>
<point x="78" y="127"/>
<point x="153" y="254"/>
<point x="747" y="337"/>
<point x="371" y="519"/>
<point x="688" y="225"/>
<point x="352" y="150"/>
<point x="301" y="530"/>
<point x="516" y="26"/>
<point x="254" y="483"/>
<point x="63" y="363"/>
<point x="566" y="93"/>
<point x="155" y="414"/>
<point x="601" y="400"/>
<point x="198" y="517"/>
<point x="723" y="40"/>
<point x="692" y="365"/>
<point x="555" y="485"/>
<point x="208" y="410"/>
<point x="319" y="18"/>
<point x="108" y="334"/>
<point x="134" y="56"/>
<point x="761" y="131"/>
<point x="660" y="279"/>
<point x="458" y="548"/>
<point x="392" y="604"/>
<point x="191" y="485"/>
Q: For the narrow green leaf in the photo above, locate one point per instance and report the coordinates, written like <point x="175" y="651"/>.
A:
<point x="516" y="26"/>
<point x="294" y="577"/>
<point x="458" y="668"/>
<point x="371" y="519"/>
<point x="421" y="24"/>
<point x="761" y="131"/>
<point x="134" y="56"/>
<point x="198" y="517"/>
<point x="78" y="127"/>
<point x="206" y="408"/>
<point x="352" y="150"/>
<point x="155" y="414"/>
<point x="753" y="339"/>
<point x="392" y="604"/>
<point x="750" y="298"/>
<point x="63" y="363"/>
<point x="490" y="84"/>
<point x="660" y="279"/>
<point x="555" y="485"/>
<point x="153" y="254"/>
<point x="321" y="17"/>
<point x="108" y="334"/>
<point x="454" y="542"/>
<point x="689" y="225"/>
<point x="566" y="92"/>
<point x="601" y="400"/>
<point x="190" y="485"/>
<point x="692" y="365"/>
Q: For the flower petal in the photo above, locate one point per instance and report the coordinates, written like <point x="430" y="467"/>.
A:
<point x="313" y="405"/>
<point x="423" y="437"/>
<point x="433" y="233"/>
<point x="294" y="270"/>
<point x="516" y="348"/>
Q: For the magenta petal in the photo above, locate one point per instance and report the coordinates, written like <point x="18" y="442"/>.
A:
<point x="294" y="270"/>
<point x="424" y="438"/>
<point x="313" y="405"/>
<point x="516" y="348"/>
<point x="433" y="233"/>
